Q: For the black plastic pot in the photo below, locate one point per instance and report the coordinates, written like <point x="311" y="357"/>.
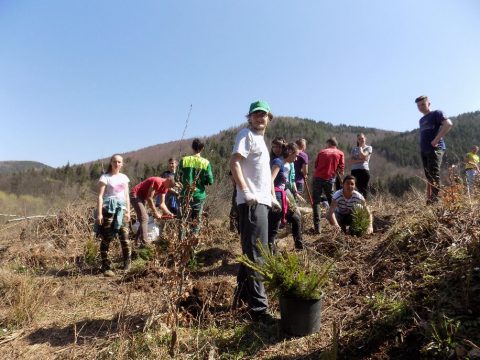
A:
<point x="300" y="317"/>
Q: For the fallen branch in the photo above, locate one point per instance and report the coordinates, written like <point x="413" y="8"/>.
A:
<point x="31" y="217"/>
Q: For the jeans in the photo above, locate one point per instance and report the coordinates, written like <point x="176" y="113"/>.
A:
<point x="471" y="174"/>
<point x="253" y="221"/>
<point x="320" y="187"/>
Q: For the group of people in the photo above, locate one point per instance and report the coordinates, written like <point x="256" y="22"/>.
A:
<point x="267" y="185"/>
<point x="180" y="190"/>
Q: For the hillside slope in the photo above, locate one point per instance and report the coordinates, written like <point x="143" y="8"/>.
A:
<point x="10" y="167"/>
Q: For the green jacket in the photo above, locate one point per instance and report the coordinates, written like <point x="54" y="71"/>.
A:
<point x="195" y="170"/>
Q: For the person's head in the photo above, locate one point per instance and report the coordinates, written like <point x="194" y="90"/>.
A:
<point x="259" y="115"/>
<point x="115" y="164"/>
<point x="423" y="104"/>
<point x="349" y="184"/>
<point x="474" y="149"/>
<point x="332" y="142"/>
<point x="169" y="181"/>
<point x="278" y="144"/>
<point x="172" y="164"/>
<point x="302" y="144"/>
<point x="197" y="145"/>
<point x="291" y="152"/>
<point x="361" y="139"/>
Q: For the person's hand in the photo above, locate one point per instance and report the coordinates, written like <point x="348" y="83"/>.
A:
<point x="168" y="215"/>
<point x="370" y="230"/>
<point x="157" y="216"/>
<point x="99" y="219"/>
<point x="275" y="204"/>
<point x="250" y="199"/>
<point x="127" y="216"/>
<point x="434" y="143"/>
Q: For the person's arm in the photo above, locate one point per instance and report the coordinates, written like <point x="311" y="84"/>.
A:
<point x="151" y="203"/>
<point x="305" y="170"/>
<point x="101" y="191"/>
<point x="341" y="165"/>
<point x="127" y="205"/>
<point x="444" y="129"/>
<point x="163" y="206"/>
<point x="236" y="169"/>
<point x="370" y="226"/>
<point x="275" y="170"/>
<point x="332" y="219"/>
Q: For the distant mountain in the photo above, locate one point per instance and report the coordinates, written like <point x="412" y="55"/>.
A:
<point x="10" y="167"/>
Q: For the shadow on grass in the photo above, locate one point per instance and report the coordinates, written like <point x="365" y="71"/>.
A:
<point x="85" y="331"/>
<point x="249" y="338"/>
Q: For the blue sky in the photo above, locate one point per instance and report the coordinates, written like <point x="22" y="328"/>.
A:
<point x="80" y="80"/>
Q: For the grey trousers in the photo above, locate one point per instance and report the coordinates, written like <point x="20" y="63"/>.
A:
<point x="253" y="223"/>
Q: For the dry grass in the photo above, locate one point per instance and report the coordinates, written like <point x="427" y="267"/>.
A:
<point x="385" y="290"/>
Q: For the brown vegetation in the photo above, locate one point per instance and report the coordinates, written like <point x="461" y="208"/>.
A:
<point x="409" y="290"/>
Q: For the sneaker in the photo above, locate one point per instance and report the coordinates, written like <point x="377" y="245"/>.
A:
<point x="108" y="273"/>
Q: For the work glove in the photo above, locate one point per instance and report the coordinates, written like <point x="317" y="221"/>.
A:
<point x="250" y="199"/>
<point x="275" y="204"/>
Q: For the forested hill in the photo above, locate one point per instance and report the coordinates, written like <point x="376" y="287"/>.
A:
<point x="9" y="167"/>
<point x="402" y="148"/>
<point x="395" y="163"/>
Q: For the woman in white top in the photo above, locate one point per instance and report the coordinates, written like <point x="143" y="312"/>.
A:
<point x="113" y="212"/>
<point x="360" y="157"/>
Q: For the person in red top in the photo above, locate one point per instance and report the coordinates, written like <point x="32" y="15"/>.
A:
<point x="144" y="193"/>
<point x="329" y="164"/>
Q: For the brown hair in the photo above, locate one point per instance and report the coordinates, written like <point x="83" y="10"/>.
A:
<point x="110" y="167"/>
<point x="332" y="141"/>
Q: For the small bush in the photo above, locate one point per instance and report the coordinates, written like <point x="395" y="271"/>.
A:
<point x="360" y="221"/>
<point x="286" y="275"/>
<point x="91" y="252"/>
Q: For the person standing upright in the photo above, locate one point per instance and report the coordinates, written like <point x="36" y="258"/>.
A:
<point x="301" y="166"/>
<point x="250" y="167"/>
<point x="471" y="167"/>
<point x="171" y="197"/>
<point x="195" y="173"/>
<point x="329" y="163"/>
<point x="360" y="158"/>
<point x="433" y="127"/>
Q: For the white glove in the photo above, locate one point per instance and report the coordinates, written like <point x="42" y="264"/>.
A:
<point x="250" y="199"/>
<point x="275" y="204"/>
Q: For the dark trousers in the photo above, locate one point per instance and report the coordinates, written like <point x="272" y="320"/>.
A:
<point x="274" y="221"/>
<point x="432" y="161"/>
<point x="320" y="187"/>
<point x="362" y="177"/>
<point x="253" y="221"/>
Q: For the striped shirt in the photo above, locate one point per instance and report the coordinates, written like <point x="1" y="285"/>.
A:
<point x="345" y="206"/>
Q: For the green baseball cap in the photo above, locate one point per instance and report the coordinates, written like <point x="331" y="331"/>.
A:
<point x="259" y="105"/>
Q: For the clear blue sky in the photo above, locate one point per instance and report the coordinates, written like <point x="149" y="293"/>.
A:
<point x="80" y="80"/>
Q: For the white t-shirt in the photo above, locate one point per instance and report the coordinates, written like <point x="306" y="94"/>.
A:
<point x="255" y="166"/>
<point x="344" y="205"/>
<point x="116" y="185"/>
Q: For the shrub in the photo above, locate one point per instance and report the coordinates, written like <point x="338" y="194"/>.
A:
<point x="360" y="220"/>
<point x="286" y="275"/>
